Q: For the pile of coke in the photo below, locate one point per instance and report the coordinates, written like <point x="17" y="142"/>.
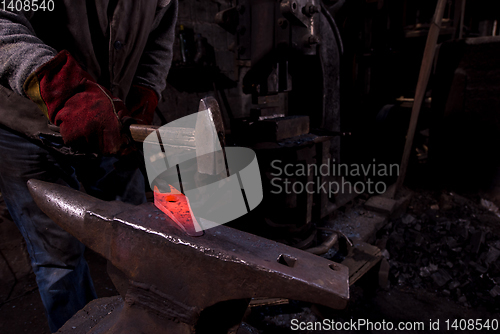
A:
<point x="449" y="244"/>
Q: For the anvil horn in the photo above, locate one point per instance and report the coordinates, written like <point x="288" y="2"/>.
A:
<point x="68" y="209"/>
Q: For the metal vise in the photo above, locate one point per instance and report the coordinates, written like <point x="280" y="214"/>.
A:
<point x="173" y="283"/>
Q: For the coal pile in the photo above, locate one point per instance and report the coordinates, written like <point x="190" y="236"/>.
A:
<point x="449" y="244"/>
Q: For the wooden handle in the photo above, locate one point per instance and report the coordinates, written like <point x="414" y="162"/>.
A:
<point x="140" y="132"/>
<point x="171" y="136"/>
<point x="423" y="80"/>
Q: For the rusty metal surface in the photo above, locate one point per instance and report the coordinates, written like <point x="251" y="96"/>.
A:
<point x="170" y="279"/>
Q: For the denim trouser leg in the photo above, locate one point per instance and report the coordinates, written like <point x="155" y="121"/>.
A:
<point x="62" y="273"/>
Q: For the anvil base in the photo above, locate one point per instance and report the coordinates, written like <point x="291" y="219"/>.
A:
<point x="102" y="313"/>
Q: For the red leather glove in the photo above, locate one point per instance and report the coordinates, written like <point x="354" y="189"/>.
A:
<point x="141" y="103"/>
<point x="87" y="114"/>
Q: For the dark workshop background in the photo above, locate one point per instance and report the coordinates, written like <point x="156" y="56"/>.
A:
<point x="343" y="92"/>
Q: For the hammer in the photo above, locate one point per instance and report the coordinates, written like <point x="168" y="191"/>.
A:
<point x="191" y="173"/>
<point x="206" y="138"/>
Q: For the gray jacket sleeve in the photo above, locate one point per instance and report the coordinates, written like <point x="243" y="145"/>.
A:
<point x="157" y="56"/>
<point x="21" y="52"/>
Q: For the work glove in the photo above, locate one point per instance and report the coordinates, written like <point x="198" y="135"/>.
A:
<point x="88" y="116"/>
<point x="141" y="103"/>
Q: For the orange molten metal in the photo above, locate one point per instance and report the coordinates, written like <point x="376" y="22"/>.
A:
<point x="176" y="206"/>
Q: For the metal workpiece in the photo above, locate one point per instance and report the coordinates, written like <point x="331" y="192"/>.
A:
<point x="214" y="199"/>
<point x="170" y="280"/>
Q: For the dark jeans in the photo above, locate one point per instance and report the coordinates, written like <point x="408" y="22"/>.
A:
<point x="62" y="273"/>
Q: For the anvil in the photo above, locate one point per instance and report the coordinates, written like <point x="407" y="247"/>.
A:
<point x="172" y="282"/>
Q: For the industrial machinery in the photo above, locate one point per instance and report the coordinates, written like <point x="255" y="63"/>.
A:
<point x="274" y="67"/>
